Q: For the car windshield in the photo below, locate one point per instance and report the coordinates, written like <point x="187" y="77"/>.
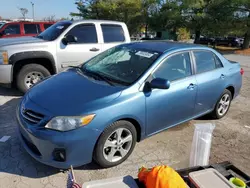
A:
<point x="54" y="31"/>
<point x="122" y="65"/>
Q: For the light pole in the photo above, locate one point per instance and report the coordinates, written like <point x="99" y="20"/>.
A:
<point x="33" y="11"/>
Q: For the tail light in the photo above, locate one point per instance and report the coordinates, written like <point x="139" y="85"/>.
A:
<point x="241" y="71"/>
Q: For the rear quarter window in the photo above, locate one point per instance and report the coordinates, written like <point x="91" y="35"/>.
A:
<point x="112" y="33"/>
<point x="218" y="62"/>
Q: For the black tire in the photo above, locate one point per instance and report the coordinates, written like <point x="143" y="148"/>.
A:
<point x="215" y="113"/>
<point x="20" y="80"/>
<point x="98" y="155"/>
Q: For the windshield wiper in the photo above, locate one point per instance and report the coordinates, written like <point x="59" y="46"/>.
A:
<point x="100" y="76"/>
<point x="76" y="67"/>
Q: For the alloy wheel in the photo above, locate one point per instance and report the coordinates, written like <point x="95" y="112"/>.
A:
<point x="223" y="104"/>
<point x="117" y="145"/>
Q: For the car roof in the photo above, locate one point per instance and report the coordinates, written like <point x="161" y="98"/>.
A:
<point x="92" y="20"/>
<point x="29" y="22"/>
<point x="163" y="46"/>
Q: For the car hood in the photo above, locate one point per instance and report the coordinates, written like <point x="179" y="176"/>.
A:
<point x="19" y="40"/>
<point x="71" y="93"/>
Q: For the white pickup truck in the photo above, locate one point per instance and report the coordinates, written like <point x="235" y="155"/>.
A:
<point x="25" y="61"/>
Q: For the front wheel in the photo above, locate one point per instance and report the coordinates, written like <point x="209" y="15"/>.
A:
<point x="29" y="75"/>
<point x="115" y="144"/>
<point x="222" y="105"/>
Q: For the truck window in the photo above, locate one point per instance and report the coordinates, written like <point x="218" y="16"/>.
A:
<point x="46" y="26"/>
<point x="85" y="33"/>
<point x="13" y="29"/>
<point x="54" y="31"/>
<point x="1" y="24"/>
<point x="112" y="33"/>
<point x="32" y="28"/>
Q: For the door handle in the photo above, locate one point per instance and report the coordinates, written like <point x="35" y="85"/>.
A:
<point x="222" y="76"/>
<point x="191" y="86"/>
<point x="94" y="49"/>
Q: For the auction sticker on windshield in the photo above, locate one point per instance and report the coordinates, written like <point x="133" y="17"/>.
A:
<point x="60" y="27"/>
<point x="144" y="54"/>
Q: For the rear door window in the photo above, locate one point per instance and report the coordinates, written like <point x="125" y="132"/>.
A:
<point x="12" y="29"/>
<point x="32" y="29"/>
<point x="205" y="61"/>
<point x="112" y="33"/>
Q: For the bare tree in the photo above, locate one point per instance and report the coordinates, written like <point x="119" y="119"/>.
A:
<point x="51" y="18"/>
<point x="24" y="12"/>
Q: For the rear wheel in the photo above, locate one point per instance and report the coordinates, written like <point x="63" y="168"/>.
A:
<point x="222" y="105"/>
<point x="115" y="144"/>
<point x="29" y="75"/>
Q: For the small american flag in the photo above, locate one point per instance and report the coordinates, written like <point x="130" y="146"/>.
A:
<point x="71" y="180"/>
<point x="75" y="185"/>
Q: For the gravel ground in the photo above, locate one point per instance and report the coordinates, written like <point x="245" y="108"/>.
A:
<point x="231" y="140"/>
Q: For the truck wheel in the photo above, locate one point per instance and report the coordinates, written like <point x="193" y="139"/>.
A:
<point x="115" y="144"/>
<point x="29" y="75"/>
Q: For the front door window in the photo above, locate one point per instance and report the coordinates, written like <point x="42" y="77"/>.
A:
<point x="175" y="67"/>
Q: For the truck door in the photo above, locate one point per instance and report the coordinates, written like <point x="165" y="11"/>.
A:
<point x="86" y="46"/>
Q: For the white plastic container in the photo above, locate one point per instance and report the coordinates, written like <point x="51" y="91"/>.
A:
<point x="209" y="178"/>
<point x="121" y="182"/>
<point x="201" y="144"/>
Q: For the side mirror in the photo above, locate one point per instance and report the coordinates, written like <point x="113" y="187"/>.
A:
<point x="160" y="83"/>
<point x="69" y="39"/>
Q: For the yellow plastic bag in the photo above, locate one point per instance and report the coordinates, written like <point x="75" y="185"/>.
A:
<point x="161" y="177"/>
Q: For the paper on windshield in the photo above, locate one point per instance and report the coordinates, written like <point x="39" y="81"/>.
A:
<point x="60" y="27"/>
<point x="144" y="54"/>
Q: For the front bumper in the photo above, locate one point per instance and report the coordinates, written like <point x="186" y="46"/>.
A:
<point x="40" y="143"/>
<point x="5" y="74"/>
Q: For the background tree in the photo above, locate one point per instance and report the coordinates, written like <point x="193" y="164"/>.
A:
<point x="242" y="16"/>
<point x="206" y="17"/>
<point x="128" y="11"/>
<point x="168" y="17"/>
<point x="83" y="7"/>
<point x="24" y="12"/>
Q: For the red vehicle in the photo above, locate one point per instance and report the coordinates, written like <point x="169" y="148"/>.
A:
<point x="21" y="29"/>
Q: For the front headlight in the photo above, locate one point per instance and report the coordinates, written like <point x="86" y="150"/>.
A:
<point x="4" y="58"/>
<point x="69" y="123"/>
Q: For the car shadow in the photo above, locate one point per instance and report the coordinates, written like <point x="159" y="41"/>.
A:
<point x="90" y="166"/>
<point x="4" y="91"/>
<point x="206" y="117"/>
<point x="13" y="158"/>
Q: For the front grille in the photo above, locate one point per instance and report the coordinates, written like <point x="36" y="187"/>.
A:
<point x="31" y="146"/>
<point x="31" y="116"/>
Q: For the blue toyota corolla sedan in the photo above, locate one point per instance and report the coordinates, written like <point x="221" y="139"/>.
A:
<point x="100" y="109"/>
